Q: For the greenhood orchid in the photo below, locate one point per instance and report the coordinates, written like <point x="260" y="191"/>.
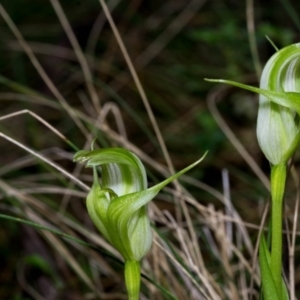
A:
<point x="278" y="134"/>
<point x="278" y="128"/>
<point x="118" y="206"/>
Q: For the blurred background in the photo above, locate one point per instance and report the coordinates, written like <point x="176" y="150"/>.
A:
<point x="173" y="45"/>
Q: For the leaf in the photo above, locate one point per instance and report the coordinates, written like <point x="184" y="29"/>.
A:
<point x="286" y="99"/>
<point x="285" y="294"/>
<point x="268" y="284"/>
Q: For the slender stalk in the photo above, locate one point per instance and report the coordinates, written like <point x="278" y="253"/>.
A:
<point x="278" y="178"/>
<point x="132" y="279"/>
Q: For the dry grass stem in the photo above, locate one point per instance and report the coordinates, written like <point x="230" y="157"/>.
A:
<point x="77" y="49"/>
<point x="40" y="69"/>
<point x="46" y="160"/>
<point x="139" y="85"/>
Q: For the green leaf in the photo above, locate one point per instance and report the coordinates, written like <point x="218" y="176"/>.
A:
<point x="268" y="284"/>
<point x="285" y="294"/>
<point x="287" y="99"/>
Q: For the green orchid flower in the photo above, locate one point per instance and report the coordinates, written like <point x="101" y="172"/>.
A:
<point x="118" y="206"/>
<point x="278" y="134"/>
<point x="278" y="128"/>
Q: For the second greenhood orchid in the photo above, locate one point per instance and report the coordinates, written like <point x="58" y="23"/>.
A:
<point x="278" y="128"/>
<point x="278" y="134"/>
<point x="118" y="206"/>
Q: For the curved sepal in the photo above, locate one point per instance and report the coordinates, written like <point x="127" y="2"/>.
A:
<point x="122" y="171"/>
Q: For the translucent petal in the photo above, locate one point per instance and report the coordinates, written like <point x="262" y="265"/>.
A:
<point x="122" y="171"/>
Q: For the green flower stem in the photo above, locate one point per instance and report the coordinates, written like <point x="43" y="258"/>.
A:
<point x="278" y="178"/>
<point x="132" y="279"/>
